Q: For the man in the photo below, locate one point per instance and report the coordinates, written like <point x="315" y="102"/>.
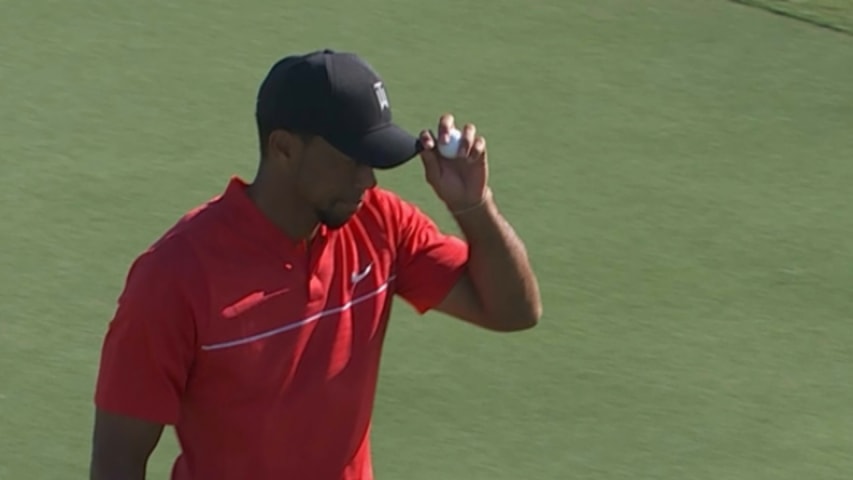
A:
<point x="255" y="324"/>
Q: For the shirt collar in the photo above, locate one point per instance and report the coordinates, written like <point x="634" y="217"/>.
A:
<point x="251" y="222"/>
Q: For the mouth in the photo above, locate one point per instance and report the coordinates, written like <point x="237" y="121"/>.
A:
<point x="357" y="200"/>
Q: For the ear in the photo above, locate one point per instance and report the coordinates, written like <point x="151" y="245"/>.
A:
<point x="284" y="145"/>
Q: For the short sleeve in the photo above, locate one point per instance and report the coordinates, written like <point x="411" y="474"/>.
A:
<point x="149" y="345"/>
<point x="429" y="262"/>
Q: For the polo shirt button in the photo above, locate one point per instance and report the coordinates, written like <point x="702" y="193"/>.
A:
<point x="288" y="266"/>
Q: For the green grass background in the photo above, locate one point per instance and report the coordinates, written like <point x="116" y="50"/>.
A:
<point x="680" y="171"/>
<point x="837" y="14"/>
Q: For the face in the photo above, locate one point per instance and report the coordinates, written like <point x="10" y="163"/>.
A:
<point x="330" y="182"/>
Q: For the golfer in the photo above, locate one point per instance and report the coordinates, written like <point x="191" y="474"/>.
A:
<point x="255" y="324"/>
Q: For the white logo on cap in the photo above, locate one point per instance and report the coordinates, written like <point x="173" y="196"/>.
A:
<point x="381" y="96"/>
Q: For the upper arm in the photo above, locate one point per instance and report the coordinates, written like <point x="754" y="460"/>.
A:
<point x="121" y="446"/>
<point x="149" y="346"/>
<point x="463" y="303"/>
<point x="431" y="265"/>
<point x="145" y="360"/>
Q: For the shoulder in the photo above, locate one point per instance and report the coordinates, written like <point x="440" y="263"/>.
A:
<point x="381" y="199"/>
<point x="172" y="258"/>
<point x="388" y="214"/>
<point x="398" y="211"/>
<point x="164" y="284"/>
<point x="160" y="270"/>
<point x="194" y="225"/>
<point x="407" y="227"/>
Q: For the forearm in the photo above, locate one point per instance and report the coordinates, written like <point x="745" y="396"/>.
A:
<point x="113" y="470"/>
<point x="499" y="269"/>
<point x="121" y="446"/>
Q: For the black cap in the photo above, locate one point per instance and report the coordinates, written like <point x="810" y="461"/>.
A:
<point x="340" y="98"/>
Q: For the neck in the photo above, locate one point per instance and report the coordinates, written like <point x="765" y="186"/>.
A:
<point x="281" y="206"/>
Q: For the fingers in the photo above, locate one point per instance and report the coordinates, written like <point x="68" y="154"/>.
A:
<point x="427" y="141"/>
<point x="478" y="150"/>
<point x="429" y="157"/>
<point x="469" y="132"/>
<point x="445" y="125"/>
<point x="471" y="146"/>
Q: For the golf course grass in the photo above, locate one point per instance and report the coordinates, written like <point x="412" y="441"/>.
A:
<point x="680" y="171"/>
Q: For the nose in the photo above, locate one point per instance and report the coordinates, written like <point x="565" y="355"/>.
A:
<point x="365" y="177"/>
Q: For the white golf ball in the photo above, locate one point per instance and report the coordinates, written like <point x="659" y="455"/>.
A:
<point x="451" y="148"/>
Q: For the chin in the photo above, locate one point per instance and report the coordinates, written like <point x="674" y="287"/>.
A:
<point x="335" y="224"/>
<point x="335" y="221"/>
<point x="338" y="215"/>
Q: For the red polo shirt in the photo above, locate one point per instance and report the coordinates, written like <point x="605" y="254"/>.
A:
<point x="264" y="352"/>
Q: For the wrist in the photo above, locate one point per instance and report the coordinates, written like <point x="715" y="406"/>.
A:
<point x="483" y="204"/>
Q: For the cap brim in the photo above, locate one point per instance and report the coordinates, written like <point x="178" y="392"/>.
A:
<point x="386" y="147"/>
